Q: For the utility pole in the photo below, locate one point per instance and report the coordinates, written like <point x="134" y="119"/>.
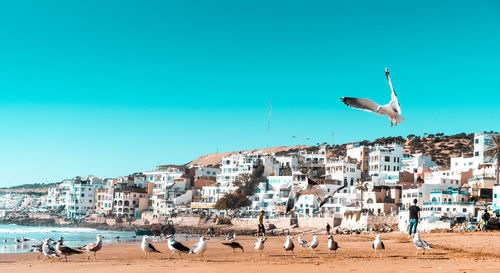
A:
<point x="269" y="124"/>
<point x="332" y="138"/>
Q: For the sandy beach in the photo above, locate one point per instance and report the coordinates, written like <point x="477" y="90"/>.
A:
<point x="453" y="252"/>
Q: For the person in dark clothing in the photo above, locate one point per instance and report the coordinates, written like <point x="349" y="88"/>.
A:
<point x="486" y="218"/>
<point x="414" y="212"/>
<point x="261" y="228"/>
<point x="328" y="228"/>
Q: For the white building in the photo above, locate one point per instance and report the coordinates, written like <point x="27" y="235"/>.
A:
<point x="385" y="158"/>
<point x="452" y="202"/>
<point x="481" y="142"/>
<point x="80" y="197"/>
<point x="344" y="170"/>
<point x="233" y="166"/>
<point x="496" y="197"/>
<point x="417" y="162"/>
<point x="421" y="193"/>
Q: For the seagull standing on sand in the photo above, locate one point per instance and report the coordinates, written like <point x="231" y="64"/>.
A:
<point x="392" y="110"/>
<point x="176" y="247"/>
<point x="289" y="246"/>
<point x="234" y="246"/>
<point x="332" y="245"/>
<point x="312" y="188"/>
<point x="420" y="243"/>
<point x="93" y="247"/>
<point x="378" y="244"/>
<point x="65" y="250"/>
<point x="259" y="245"/>
<point x="314" y="243"/>
<point x="47" y="250"/>
<point x="199" y="248"/>
<point x="147" y="247"/>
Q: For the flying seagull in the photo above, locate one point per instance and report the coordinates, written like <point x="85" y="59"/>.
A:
<point x="392" y="110"/>
<point x="378" y="244"/>
<point x="302" y="242"/>
<point x="200" y="247"/>
<point x="175" y="246"/>
<point x="93" y="247"/>
<point x="259" y="245"/>
<point x="65" y="250"/>
<point x="289" y="246"/>
<point x="312" y="188"/>
<point x="234" y="246"/>
<point x="301" y="138"/>
<point x="147" y="247"/>
<point x="231" y="238"/>
<point x="332" y="245"/>
<point x="420" y="243"/>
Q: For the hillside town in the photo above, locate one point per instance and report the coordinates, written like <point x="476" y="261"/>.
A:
<point x="381" y="181"/>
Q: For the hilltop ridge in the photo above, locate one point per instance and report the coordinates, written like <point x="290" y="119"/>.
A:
<point x="438" y="146"/>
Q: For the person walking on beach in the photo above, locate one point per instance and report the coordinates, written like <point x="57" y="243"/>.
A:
<point x="486" y="218"/>
<point x="328" y="228"/>
<point x="414" y="211"/>
<point x="261" y="224"/>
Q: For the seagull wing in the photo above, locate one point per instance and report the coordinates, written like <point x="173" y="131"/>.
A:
<point x="394" y="104"/>
<point x="69" y="250"/>
<point x="153" y="248"/>
<point x="180" y="247"/>
<point x="362" y="104"/>
<point x="292" y="198"/>
<point x="323" y="201"/>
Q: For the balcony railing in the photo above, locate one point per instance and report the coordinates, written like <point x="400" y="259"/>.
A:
<point x="450" y="203"/>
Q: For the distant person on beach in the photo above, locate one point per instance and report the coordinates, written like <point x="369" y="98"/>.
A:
<point x="486" y="218"/>
<point x="414" y="211"/>
<point x="261" y="225"/>
<point x="328" y="228"/>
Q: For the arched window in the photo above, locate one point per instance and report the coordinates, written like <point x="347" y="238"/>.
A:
<point x="369" y="201"/>
<point x="126" y="203"/>
<point x="434" y="199"/>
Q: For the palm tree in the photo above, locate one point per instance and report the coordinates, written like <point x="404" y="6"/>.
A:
<point x="493" y="151"/>
<point x="361" y="186"/>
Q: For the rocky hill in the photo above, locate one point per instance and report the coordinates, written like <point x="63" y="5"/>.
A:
<point x="438" y="146"/>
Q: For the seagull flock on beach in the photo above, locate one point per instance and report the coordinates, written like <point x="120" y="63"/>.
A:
<point x="50" y="249"/>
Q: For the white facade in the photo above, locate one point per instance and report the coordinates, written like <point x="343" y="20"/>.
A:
<point x="80" y="198"/>
<point x="422" y="194"/>
<point x="496" y="197"/>
<point x="233" y="166"/>
<point x="385" y="158"/>
<point x="417" y="162"/>
<point x="344" y="170"/>
<point x="481" y="141"/>
<point x="449" y="203"/>
<point x="206" y="172"/>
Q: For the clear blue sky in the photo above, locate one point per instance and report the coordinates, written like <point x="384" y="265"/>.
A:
<point x="113" y="87"/>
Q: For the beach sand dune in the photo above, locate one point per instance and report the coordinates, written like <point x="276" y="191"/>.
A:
<point x="453" y="252"/>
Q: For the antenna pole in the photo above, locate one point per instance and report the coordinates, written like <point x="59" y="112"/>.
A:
<point x="269" y="124"/>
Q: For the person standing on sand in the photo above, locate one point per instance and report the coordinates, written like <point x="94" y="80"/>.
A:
<point x="328" y="228"/>
<point x="486" y="218"/>
<point x="414" y="212"/>
<point x="261" y="224"/>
